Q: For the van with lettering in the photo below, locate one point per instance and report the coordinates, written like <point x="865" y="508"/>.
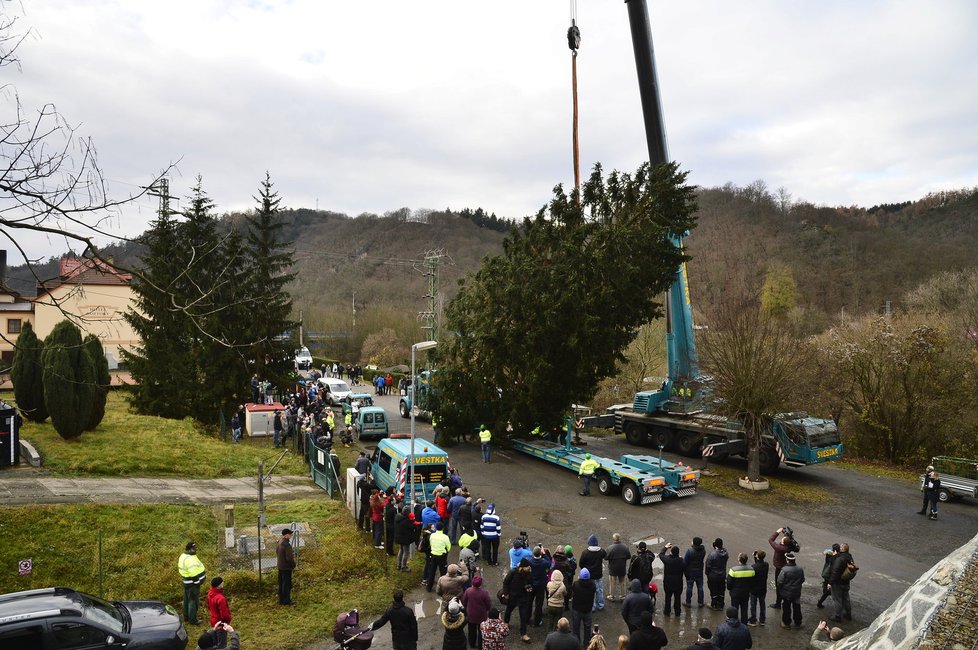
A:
<point x="391" y="465"/>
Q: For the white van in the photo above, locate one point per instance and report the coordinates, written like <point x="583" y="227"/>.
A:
<point x="303" y="359"/>
<point x="334" y="390"/>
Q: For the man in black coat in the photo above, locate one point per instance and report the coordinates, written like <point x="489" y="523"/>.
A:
<point x="839" y="584"/>
<point x="404" y="625"/>
<point x="673" y="577"/>
<point x="647" y="636"/>
<point x="732" y="634"/>
<point x="561" y="638"/>
<point x="636" y="602"/>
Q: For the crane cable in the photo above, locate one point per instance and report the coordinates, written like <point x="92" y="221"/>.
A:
<point x="574" y="43"/>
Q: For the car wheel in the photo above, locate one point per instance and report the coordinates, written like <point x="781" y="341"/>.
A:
<point x="405" y="411"/>
<point x="630" y="493"/>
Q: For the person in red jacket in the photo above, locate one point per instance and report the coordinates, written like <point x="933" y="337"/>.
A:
<point x="217" y="605"/>
<point x="441" y="505"/>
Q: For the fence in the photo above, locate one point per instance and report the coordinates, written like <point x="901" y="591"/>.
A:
<point x="321" y="468"/>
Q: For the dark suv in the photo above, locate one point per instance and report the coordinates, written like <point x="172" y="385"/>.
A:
<point x="60" y="618"/>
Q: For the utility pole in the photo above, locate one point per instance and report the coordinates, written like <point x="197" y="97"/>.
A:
<point x="161" y="188"/>
<point x="429" y="317"/>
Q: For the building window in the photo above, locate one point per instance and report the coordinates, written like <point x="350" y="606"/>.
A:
<point x="13" y="326"/>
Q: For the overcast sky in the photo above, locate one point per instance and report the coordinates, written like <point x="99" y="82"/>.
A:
<point x="369" y="106"/>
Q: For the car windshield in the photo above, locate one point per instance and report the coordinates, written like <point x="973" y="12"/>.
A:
<point x="104" y="613"/>
<point x="339" y="387"/>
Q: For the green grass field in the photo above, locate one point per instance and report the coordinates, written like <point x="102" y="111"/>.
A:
<point x="125" y="444"/>
<point x="337" y="570"/>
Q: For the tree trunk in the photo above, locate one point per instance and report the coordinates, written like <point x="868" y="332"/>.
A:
<point x="753" y="449"/>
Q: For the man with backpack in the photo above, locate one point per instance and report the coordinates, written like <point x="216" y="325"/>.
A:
<point x="843" y="571"/>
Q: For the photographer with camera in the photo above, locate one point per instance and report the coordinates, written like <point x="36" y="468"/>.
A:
<point x="210" y="638"/>
<point x="787" y="544"/>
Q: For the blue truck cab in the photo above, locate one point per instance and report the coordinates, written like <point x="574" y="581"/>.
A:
<point x="391" y="465"/>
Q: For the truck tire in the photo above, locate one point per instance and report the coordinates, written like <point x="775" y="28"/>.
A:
<point x="944" y="495"/>
<point x="688" y="444"/>
<point x="662" y="439"/>
<point x="636" y="434"/>
<point x="405" y="411"/>
<point x="630" y="493"/>
<point x="605" y="484"/>
<point x="769" y="459"/>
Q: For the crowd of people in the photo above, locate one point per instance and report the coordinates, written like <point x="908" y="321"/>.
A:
<point x="553" y="587"/>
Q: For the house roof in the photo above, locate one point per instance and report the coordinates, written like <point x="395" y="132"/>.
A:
<point x="83" y="270"/>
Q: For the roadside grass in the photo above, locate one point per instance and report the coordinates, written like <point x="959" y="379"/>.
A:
<point x="797" y="490"/>
<point x="337" y="570"/>
<point x="126" y="444"/>
<point x="879" y="469"/>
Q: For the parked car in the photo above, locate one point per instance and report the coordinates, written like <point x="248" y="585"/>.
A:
<point x="59" y="617"/>
<point x="303" y="359"/>
<point x="334" y="390"/>
<point x="372" y="422"/>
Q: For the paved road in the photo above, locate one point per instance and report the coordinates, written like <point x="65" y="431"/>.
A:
<point x="874" y="514"/>
<point x="19" y="487"/>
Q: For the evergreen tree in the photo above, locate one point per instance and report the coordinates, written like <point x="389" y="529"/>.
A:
<point x="270" y="271"/>
<point x="538" y="326"/>
<point x="69" y="380"/>
<point x="160" y="364"/>
<point x="27" y="374"/>
<point x="102" y="380"/>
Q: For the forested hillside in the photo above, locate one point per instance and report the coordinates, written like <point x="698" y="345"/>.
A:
<point x="845" y="261"/>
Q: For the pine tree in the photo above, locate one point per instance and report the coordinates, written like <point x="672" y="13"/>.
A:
<point x="102" y="380"/>
<point x="27" y="374"/>
<point x="160" y="364"/>
<point x="69" y="380"/>
<point x="269" y="271"/>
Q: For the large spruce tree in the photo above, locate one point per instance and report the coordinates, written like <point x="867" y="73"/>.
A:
<point x="269" y="272"/>
<point x="538" y="326"/>
<point x="160" y="364"/>
<point x="102" y="380"/>
<point x="69" y="380"/>
<point x="27" y="374"/>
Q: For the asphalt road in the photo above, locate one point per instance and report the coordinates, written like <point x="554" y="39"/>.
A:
<point x="875" y="515"/>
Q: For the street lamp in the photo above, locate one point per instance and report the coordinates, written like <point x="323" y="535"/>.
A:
<point x="423" y="345"/>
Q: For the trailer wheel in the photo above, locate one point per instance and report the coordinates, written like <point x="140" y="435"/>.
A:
<point x="769" y="459"/>
<point x="688" y="444"/>
<point x="630" y="493"/>
<point x="636" y="434"/>
<point x="405" y="411"/>
<point x="944" y="495"/>
<point x="605" y="485"/>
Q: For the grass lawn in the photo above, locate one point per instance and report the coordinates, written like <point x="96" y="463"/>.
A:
<point x="798" y="489"/>
<point x="125" y="444"/>
<point x="338" y="570"/>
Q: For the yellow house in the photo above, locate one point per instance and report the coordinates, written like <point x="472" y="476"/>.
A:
<point x="94" y="296"/>
<point x="15" y="310"/>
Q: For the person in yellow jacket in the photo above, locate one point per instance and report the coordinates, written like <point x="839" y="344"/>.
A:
<point x="485" y="437"/>
<point x="193" y="574"/>
<point x="586" y="472"/>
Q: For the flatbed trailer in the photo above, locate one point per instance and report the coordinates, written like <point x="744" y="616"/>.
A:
<point x="637" y="486"/>
<point x="639" y="478"/>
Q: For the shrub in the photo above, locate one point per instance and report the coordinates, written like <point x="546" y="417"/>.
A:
<point x="69" y="380"/>
<point x="27" y="375"/>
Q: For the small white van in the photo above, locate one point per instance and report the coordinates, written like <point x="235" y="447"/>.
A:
<point x="334" y="390"/>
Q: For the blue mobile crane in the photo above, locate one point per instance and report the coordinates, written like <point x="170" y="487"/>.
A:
<point x="677" y="415"/>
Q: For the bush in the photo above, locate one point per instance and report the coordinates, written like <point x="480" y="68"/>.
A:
<point x="69" y="380"/>
<point x="28" y="376"/>
<point x="102" y="380"/>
